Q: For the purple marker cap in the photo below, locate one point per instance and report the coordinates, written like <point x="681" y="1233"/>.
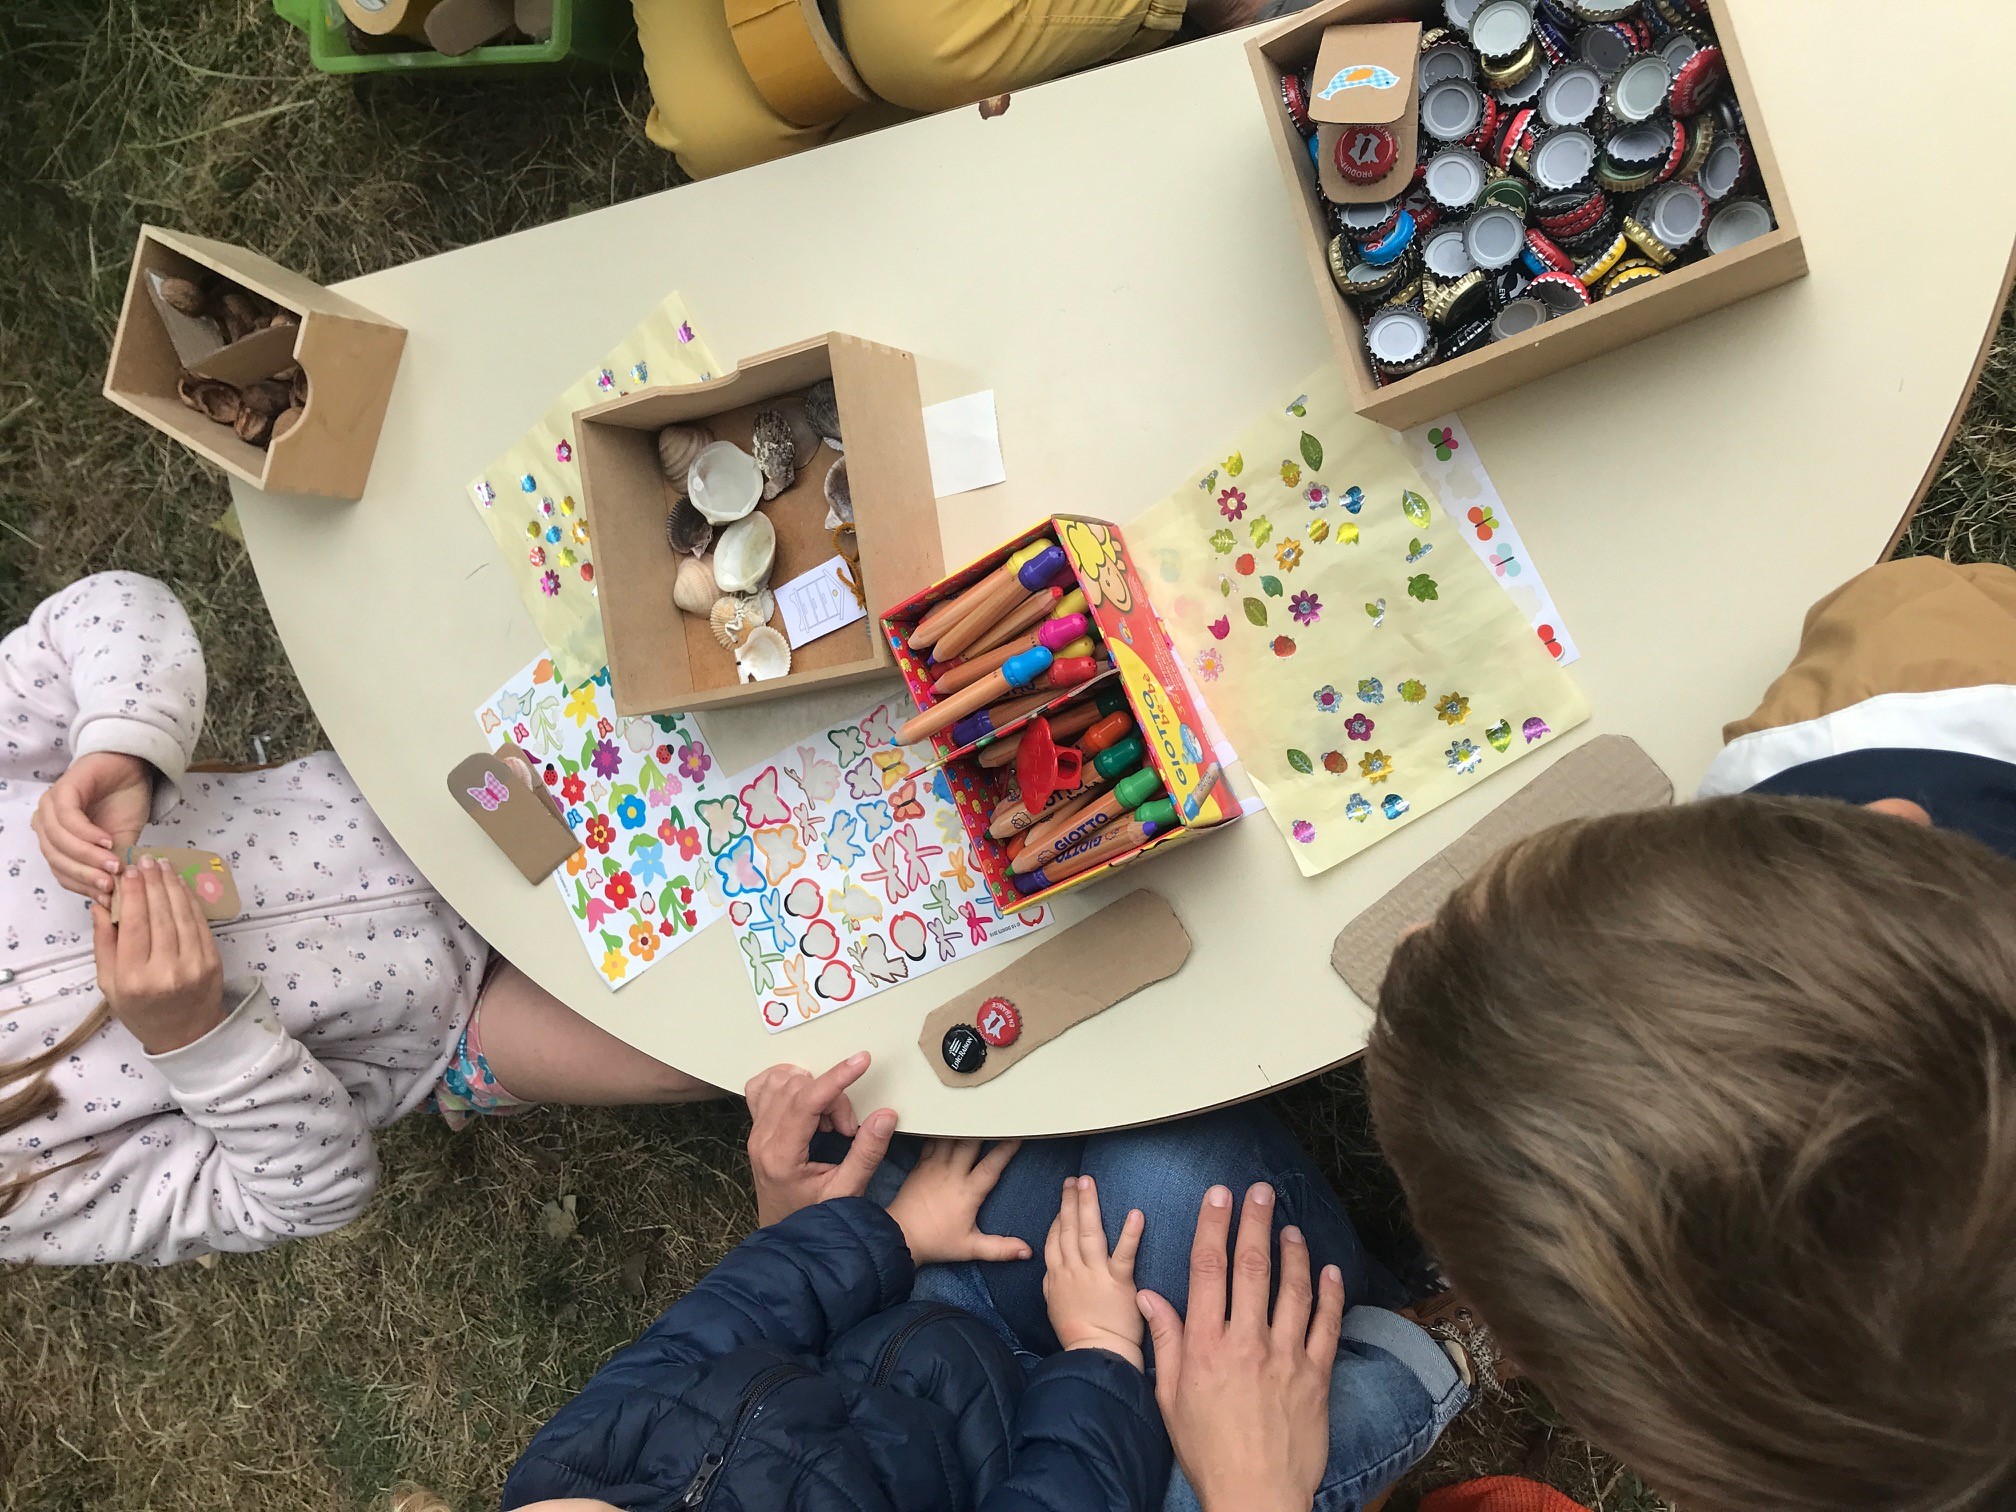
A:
<point x="1025" y="667"/>
<point x="1029" y="882"/>
<point x="973" y="727"/>
<point x="1043" y="569"/>
<point x="1059" y="633"/>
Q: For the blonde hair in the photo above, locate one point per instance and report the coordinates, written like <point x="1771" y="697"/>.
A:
<point x="37" y="1098"/>
<point x="1711" y="1111"/>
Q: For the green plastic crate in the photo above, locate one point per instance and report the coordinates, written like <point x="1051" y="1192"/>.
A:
<point x="600" y="33"/>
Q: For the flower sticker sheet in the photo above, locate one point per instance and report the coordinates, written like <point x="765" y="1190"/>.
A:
<point x="531" y="496"/>
<point x="632" y="790"/>
<point x="846" y="870"/>
<point x="1363" y="660"/>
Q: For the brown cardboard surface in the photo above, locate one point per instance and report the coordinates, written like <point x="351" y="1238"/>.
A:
<point x="1765" y="263"/>
<point x="493" y="790"/>
<point x="260" y="355"/>
<point x="193" y="866"/>
<point x="455" y="27"/>
<point x="660" y="659"/>
<point x="1073" y="975"/>
<point x="1609" y="775"/>
<point x="1396" y="47"/>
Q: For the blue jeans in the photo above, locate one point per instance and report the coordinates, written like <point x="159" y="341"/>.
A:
<point x="1393" y="1389"/>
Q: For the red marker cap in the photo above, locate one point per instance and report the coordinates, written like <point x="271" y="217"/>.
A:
<point x="1067" y="670"/>
<point x="1366" y="154"/>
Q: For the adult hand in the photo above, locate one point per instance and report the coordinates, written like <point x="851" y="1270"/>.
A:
<point x="1246" y="1401"/>
<point x="1090" y="1293"/>
<point x="158" y="966"/>
<point x="789" y="1105"/>
<point x="938" y="1208"/>
<point x="89" y="816"/>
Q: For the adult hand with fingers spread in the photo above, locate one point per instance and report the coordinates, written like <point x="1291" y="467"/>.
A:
<point x="1245" y="1398"/>
<point x="789" y="1105"/>
<point x="158" y="966"/>
<point x="88" y="818"/>
<point x="938" y="1208"/>
<point x="1090" y="1293"/>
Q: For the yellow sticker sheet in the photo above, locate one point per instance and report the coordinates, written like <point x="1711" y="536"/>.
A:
<point x="531" y="496"/>
<point x="1357" y="653"/>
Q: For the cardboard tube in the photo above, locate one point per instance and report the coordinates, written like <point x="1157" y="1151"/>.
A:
<point x="389" y="18"/>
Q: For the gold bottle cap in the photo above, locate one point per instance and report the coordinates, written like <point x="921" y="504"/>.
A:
<point x="1632" y="275"/>
<point x="1661" y="255"/>
<point x="1605" y="263"/>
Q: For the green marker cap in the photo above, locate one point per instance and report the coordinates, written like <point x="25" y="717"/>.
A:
<point x="1138" y="789"/>
<point x="1121" y="756"/>
<point x="1161" y="814"/>
<point x="1111" y="699"/>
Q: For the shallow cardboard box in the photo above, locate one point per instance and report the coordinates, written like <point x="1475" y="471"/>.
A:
<point x="1765" y="263"/>
<point x="660" y="659"/>
<point x="350" y="355"/>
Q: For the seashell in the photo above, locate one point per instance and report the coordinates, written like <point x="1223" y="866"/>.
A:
<point x="687" y="530"/>
<point x="694" y="589"/>
<point x="762" y="606"/>
<point x="839" y="498"/>
<point x="803" y="438"/>
<point x="724" y="482"/>
<point x="744" y="554"/>
<point x="764" y="655"/>
<point x="822" y="409"/>
<point x="775" y="451"/>
<point x="678" y="445"/>
<point x="735" y="615"/>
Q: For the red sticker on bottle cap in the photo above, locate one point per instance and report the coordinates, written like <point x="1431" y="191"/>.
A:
<point x="999" y="1022"/>
<point x="1366" y="154"/>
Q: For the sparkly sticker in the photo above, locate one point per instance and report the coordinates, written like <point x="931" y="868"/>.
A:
<point x="1305" y="608"/>
<point x="1535" y="729"/>
<point x="1371" y="690"/>
<point x="1376" y="612"/>
<point x="1465" y="756"/>
<point x="566" y="557"/>
<point x="1416" y="509"/>
<point x="1317" y="495"/>
<point x="537" y="556"/>
<point x="528" y="484"/>
<point x="640" y="372"/>
<point x="1413" y="690"/>
<point x="1289" y="555"/>
<point x="1319" y="531"/>
<point x="1291" y="474"/>
<point x="1359" y="809"/>
<point x="1354" y="499"/>
<point x="552" y="534"/>
<point x="579" y="532"/>
<point x="1283" y="646"/>
<point x="1375" y="766"/>
<point x="587" y="572"/>
<point x="1211" y="663"/>
<point x="485" y="494"/>
<point x="546" y="504"/>
<point x="1452" y="708"/>
<point x="1500" y="736"/>
<point x="1358" y="727"/>
<point x="1336" y="763"/>
<point x="1328" y="700"/>
<point x="1303" y="831"/>
<point x="1417" y="549"/>
<point x="532" y="529"/>
<point x="1422" y="587"/>
<point x="563" y="453"/>
<point x="1394" y="806"/>
<point x="567" y="504"/>
<point x="549" y="584"/>
<point x="605" y="380"/>
<point x="685" y="332"/>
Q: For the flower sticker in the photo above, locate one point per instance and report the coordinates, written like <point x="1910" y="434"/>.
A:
<point x="1222" y="541"/>
<point x="549" y="584"/>
<point x="1305" y="608"/>
<point x="643" y="940"/>
<point x="600" y="833"/>
<point x="1232" y="503"/>
<point x="1358" y="727"/>
<point x="605" y="381"/>
<point x="1303" y="831"/>
<point x="1354" y="499"/>
<point x="1317" y="495"/>
<point x="580" y="705"/>
<point x="630" y="812"/>
<point x="614" y="966"/>
<point x="572" y="788"/>
<point x="1359" y="809"/>
<point x="1291" y="474"/>
<point x="694" y="761"/>
<point x="1465" y="756"/>
<point x="640" y="372"/>
<point x="1371" y="690"/>
<point x="1452" y="708"/>
<point x="485" y="494"/>
<point x="1394" y="806"/>
<point x="528" y="484"/>
<point x="1329" y="700"/>
<point x="1413" y="690"/>
<point x="1375" y="766"/>
<point x="1289" y="555"/>
<point x="1210" y="664"/>
<point x="620" y="890"/>
<point x="606" y="760"/>
<point x="1535" y="729"/>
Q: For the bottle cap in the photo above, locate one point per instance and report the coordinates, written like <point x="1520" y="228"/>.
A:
<point x="1561" y="293"/>
<point x="1387" y="251"/>
<point x="1556" y="39"/>
<point x="1502" y="30"/>
<point x="1604" y="263"/>
<point x="1445" y="254"/>
<point x="1507" y="284"/>
<point x="1606" y="48"/>
<point x="1702" y="135"/>
<point x="1366" y="222"/>
<point x="1459" y="12"/>
<point x="1563" y="159"/>
<point x="1673" y="13"/>
<point x="1572" y="97"/>
<point x="1661" y="255"/>
<point x="1570" y="214"/>
<point x="999" y="1022"/>
<point x="1408" y="293"/>
<point x="1369" y="284"/>
<point x="1459" y="301"/>
<point x="1518" y="138"/>
<point x="1366" y="154"/>
<point x="1446" y="60"/>
<point x="1638" y="91"/>
<point x="1472" y="338"/>
<point x="1603" y="10"/>
<point x="1739" y="221"/>
<point x="1456" y="178"/>
<point x="1493" y="237"/>
<point x="1678" y="47"/>
<point x="1632" y="275"/>
<point x="1295" y="100"/>
<point x="1729" y="114"/>
<point x="1596" y="239"/>
<point x="1675" y="213"/>
<point x="1487" y="126"/>
<point x="964" y="1051"/>
<point x="1637" y="147"/>
<point x="1400" y="340"/>
<point x="1727" y="165"/>
<point x="1509" y="192"/>
<point x="1526" y="91"/>
<point x="1451" y="110"/>
<point x="1541" y="249"/>
<point x="1699" y="80"/>
<point x="1620" y="178"/>
<point x="1519" y="317"/>
<point x="1676" y="148"/>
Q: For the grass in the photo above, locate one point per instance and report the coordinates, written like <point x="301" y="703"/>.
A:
<point x="428" y="1340"/>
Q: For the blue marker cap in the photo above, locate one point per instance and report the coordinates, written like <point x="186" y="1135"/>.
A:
<point x="1029" y="882"/>
<point x="1043" y="569"/>
<point x="1025" y="667"/>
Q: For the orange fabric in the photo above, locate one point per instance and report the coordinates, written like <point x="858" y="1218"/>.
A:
<point x="1499" y="1493"/>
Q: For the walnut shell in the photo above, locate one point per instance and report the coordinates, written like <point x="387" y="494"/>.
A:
<point x="242" y="314"/>
<point x="268" y="396"/>
<point x="209" y="396"/>
<point x="185" y="295"/>
<point x="253" y="426"/>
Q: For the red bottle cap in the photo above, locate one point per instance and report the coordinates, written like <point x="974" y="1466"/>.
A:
<point x="1518" y="133"/>
<point x="1366" y="154"/>
<point x="1295" y="100"/>
<point x="999" y="1022"/>
<point x="1699" y="80"/>
<point x="1544" y="249"/>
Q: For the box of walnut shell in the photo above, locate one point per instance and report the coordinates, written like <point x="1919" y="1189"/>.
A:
<point x="270" y="376"/>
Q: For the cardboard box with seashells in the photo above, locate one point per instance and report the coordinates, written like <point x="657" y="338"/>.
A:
<point x="683" y="560"/>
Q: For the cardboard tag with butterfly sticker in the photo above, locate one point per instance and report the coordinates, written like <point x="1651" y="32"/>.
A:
<point x="205" y="872"/>
<point x="498" y="790"/>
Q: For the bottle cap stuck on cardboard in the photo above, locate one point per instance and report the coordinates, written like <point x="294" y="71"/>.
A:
<point x="1366" y="154"/>
<point x="963" y="1048"/>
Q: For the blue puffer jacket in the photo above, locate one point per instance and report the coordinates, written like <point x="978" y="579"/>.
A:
<point x="798" y="1377"/>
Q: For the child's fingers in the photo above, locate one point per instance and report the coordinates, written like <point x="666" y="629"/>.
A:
<point x="69" y="809"/>
<point x="136" y="925"/>
<point x="1295" y="1297"/>
<point x="1091" y="1231"/>
<point x="1129" y="1242"/>
<point x="995" y="1161"/>
<point x="1053" y="1244"/>
<point x="1067" y="1219"/>
<point x="1165" y="1327"/>
<point x="962" y="1155"/>
<point x="995" y="1247"/>
<point x="168" y="943"/>
<point x="191" y="933"/>
<point x="104" y="947"/>
<point x="79" y="864"/>
<point x="1329" y="1320"/>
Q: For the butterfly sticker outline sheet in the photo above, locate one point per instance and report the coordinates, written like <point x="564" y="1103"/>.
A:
<point x="846" y="871"/>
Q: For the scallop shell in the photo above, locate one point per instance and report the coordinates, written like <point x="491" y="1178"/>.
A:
<point x="839" y="497"/>
<point x="744" y="554"/>
<point x="776" y="453"/>
<point x="678" y="445"/>
<point x="724" y="482"/>
<point x="695" y="590"/>
<point x="735" y="615"/>
<point x="764" y="655"/>
<point x="822" y="408"/>
<point x="687" y="530"/>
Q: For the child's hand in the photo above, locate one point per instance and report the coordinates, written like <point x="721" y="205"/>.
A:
<point x="789" y="1105"/>
<point x="88" y="818"/>
<point x="939" y="1206"/>
<point x="158" y="966"/>
<point x="1091" y="1293"/>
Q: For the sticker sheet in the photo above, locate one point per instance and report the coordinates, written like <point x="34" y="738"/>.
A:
<point x="847" y="871"/>
<point x="531" y="496"/>
<point x="1448" y="459"/>
<point x="1362" y="659"/>
<point x="634" y="792"/>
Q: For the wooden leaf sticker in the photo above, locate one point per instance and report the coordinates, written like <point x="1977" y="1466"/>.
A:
<point x="1256" y="612"/>
<point x="1301" y="762"/>
<point x="1312" y="452"/>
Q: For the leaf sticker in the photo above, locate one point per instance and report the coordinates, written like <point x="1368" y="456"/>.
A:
<point x="1222" y="541"/>
<point x="1262" y="530"/>
<point x="1271" y="586"/>
<point x="1301" y="762"/>
<point x="1256" y="611"/>
<point x="1312" y="452"/>
<point x="1416" y="509"/>
<point x="1422" y="587"/>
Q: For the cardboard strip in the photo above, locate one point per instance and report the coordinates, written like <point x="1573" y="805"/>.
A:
<point x="1609" y="775"/>
<point x="206" y="873"/>
<point x="500" y="794"/>
<point x="1072" y="976"/>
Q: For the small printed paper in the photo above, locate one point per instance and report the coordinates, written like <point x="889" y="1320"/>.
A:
<point x="817" y="603"/>
<point x="1446" y="457"/>
<point x="632" y="791"/>
<point x="965" y="444"/>
<point x="846" y="871"/>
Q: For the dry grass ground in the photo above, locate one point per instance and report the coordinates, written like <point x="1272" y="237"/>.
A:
<point x="429" y="1339"/>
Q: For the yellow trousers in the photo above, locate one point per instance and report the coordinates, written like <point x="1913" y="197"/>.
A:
<point x="917" y="55"/>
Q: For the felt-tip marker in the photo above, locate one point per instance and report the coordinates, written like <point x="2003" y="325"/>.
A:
<point x="1059" y="838"/>
<point x="1018" y="672"/>
<point x="1056" y="635"/>
<point x="1110" y="843"/>
<point x="926" y="632"/>
<point x="1033" y="576"/>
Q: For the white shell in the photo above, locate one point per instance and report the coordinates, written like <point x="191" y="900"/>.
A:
<point x="733" y="616"/>
<point x="725" y="483"/>
<point x="743" y="555"/>
<point x="694" y="590"/>
<point x="766" y="654"/>
<point x="839" y="498"/>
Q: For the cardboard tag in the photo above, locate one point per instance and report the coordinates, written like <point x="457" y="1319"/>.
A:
<point x="1609" y="775"/>
<point x="1072" y="976"/>
<point x="205" y="872"/>
<point x="501" y="793"/>
<point x="250" y="358"/>
<point x="1367" y="76"/>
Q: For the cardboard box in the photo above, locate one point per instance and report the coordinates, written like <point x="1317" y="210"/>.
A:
<point x="349" y="354"/>
<point x="660" y="659"/>
<point x="1172" y="729"/>
<point x="1771" y="260"/>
